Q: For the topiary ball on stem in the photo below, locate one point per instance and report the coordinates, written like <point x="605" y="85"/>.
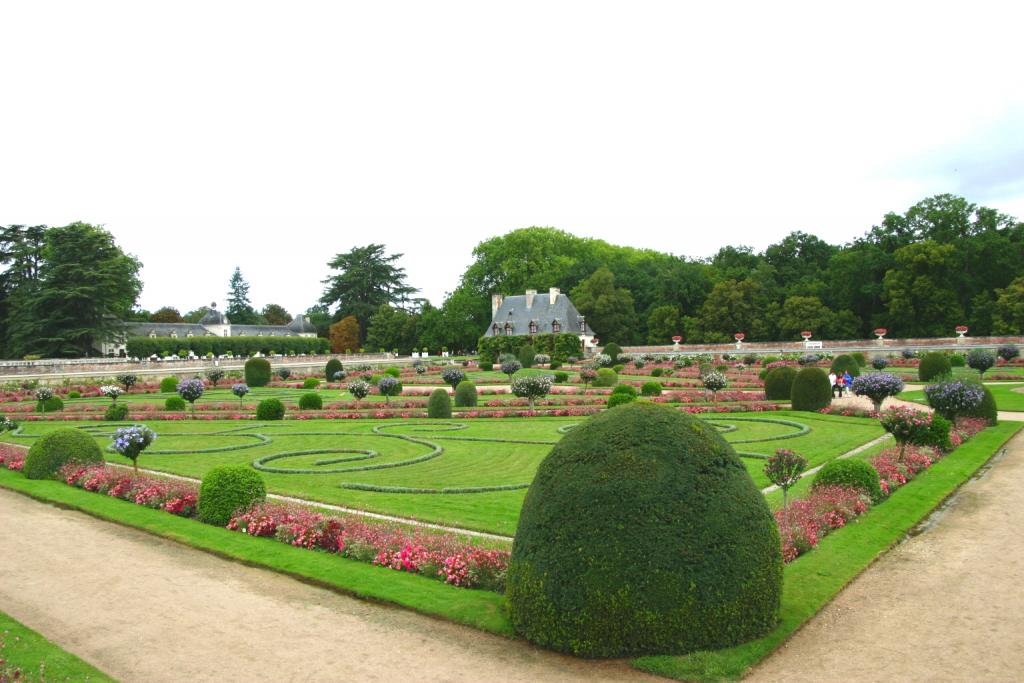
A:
<point x="643" y="533"/>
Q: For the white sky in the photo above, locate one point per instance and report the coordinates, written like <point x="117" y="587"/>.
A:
<point x="206" y="135"/>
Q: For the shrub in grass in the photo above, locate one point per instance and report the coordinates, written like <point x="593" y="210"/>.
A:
<point x="57" y="448"/>
<point x="53" y="404"/>
<point x="389" y="386"/>
<point x="526" y="355"/>
<point x="778" y="383"/>
<point x="127" y="380"/>
<point x="333" y="365"/>
<point x="393" y="372"/>
<point x="606" y="377"/>
<point x="657" y="372"/>
<point x="311" y="401"/>
<point x="465" y="394"/>
<point x="257" y="372"/>
<point x="987" y="409"/>
<point x="651" y="389"/>
<point x="954" y="398"/>
<point x="215" y="375"/>
<point x="168" y="385"/>
<point x="439" y="405"/>
<point x="618" y="368"/>
<point x="588" y="375"/>
<point x="283" y="373"/>
<point x="270" y="409"/>
<point x="227" y="489"/>
<point x="561" y="377"/>
<point x="811" y="391"/>
<point x="612" y="350"/>
<point x="310" y="383"/>
<point x="510" y="365"/>
<point x="933" y="365"/>
<point x="846" y="363"/>
<point x="359" y="389"/>
<point x="531" y="387"/>
<point x="619" y="399"/>
<point x="957" y="360"/>
<point x="980" y="360"/>
<point x="174" y="403"/>
<point x="116" y="413"/>
<point x="1008" y="352"/>
<point x="486" y="367"/>
<point x="850" y="473"/>
<point x="74" y="394"/>
<point x="912" y="427"/>
<point x="628" y="389"/>
<point x="673" y="547"/>
<point x="554" y="365"/>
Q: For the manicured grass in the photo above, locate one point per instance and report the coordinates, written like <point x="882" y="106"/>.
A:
<point x="910" y="374"/>
<point x="26" y="650"/>
<point x="478" y="608"/>
<point x="1008" y="396"/>
<point x="814" y="579"/>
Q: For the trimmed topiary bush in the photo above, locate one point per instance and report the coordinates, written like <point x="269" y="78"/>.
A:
<point x="606" y="377"/>
<point x="986" y="409"/>
<point x="56" y="449"/>
<point x="227" y="489"/>
<point x="561" y="377"/>
<point x="846" y="363"/>
<point x="393" y="372"/>
<point x="850" y="473"/>
<point x="53" y="404"/>
<point x="333" y="365"/>
<point x="933" y="365"/>
<point x="74" y="394"/>
<point x="860" y="358"/>
<point x="116" y="413"/>
<point x="465" y="394"/>
<point x="657" y="372"/>
<point x="526" y="355"/>
<point x="627" y="389"/>
<point x="811" y="390"/>
<point x="452" y="377"/>
<point x="957" y="360"/>
<point x="310" y="383"/>
<point x="651" y="389"/>
<point x="270" y="409"/>
<point x="673" y="548"/>
<point x="174" y="403"/>
<point x="619" y="399"/>
<point x="311" y="401"/>
<point x="1008" y="352"/>
<point x="980" y="360"/>
<point x="439" y="405"/>
<point x="169" y="385"/>
<point x="257" y="372"/>
<point x="778" y="383"/>
<point x="613" y="350"/>
<point x="486" y="367"/>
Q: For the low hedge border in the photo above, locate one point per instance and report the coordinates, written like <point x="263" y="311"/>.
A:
<point x="261" y="463"/>
<point x="813" y="579"/>
<point x="406" y="489"/>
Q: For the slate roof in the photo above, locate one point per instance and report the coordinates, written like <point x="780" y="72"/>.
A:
<point x="165" y="329"/>
<point x="262" y="331"/>
<point x="513" y="310"/>
<point x="300" y="325"/>
<point x="214" y="317"/>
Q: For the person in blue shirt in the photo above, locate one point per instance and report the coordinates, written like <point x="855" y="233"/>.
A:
<point x="847" y="380"/>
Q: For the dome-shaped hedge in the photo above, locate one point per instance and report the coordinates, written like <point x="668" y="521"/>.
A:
<point x="56" y="449"/>
<point x="811" y="390"/>
<point x="933" y="366"/>
<point x="226" y="490"/>
<point x="987" y="408"/>
<point x="333" y="365"/>
<point x="778" y="383"/>
<point x="311" y="401"/>
<point x="439" y="405"/>
<point x="643" y="533"/>
<point x="257" y="372"/>
<point x="850" y="473"/>
<point x="270" y="409"/>
<point x="846" y="363"/>
<point x="465" y="394"/>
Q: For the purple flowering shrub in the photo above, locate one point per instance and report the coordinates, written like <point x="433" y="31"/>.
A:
<point x="953" y="398"/>
<point x="877" y="386"/>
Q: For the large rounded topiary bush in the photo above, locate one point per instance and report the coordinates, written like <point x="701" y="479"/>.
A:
<point x="933" y="365"/>
<point x="811" y="390"/>
<point x="270" y="409"/>
<point x="642" y="532"/>
<point x="846" y="363"/>
<point x="257" y="372"/>
<point x="56" y="449"/>
<point x="168" y="385"/>
<point x="439" y="405"/>
<point x="465" y="394"/>
<point x="778" y="383"/>
<point x="227" y="489"/>
<point x="986" y="409"/>
<point x="333" y="365"/>
<point x="311" y="401"/>
<point x="850" y="473"/>
<point x="606" y="377"/>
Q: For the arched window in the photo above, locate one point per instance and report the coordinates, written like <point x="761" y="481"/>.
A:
<point x="533" y="327"/>
<point x="556" y="326"/>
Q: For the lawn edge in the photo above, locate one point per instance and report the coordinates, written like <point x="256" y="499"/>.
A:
<point x="59" y="663"/>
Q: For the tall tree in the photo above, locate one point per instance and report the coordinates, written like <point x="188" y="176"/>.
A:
<point x="393" y="328"/>
<point x="345" y="335"/>
<point x="21" y="256"/>
<point x="607" y="308"/>
<point x="663" y="323"/>
<point x="920" y="293"/>
<point x="276" y="315"/>
<point x="801" y="313"/>
<point x="1008" y="313"/>
<point x="166" y="314"/>
<point x="240" y="310"/>
<point x="367" y="279"/>
<point x="87" y="285"/>
<point x="732" y="307"/>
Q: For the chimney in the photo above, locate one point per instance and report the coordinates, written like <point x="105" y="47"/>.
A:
<point x="553" y="294"/>
<point x="530" y="293"/>
<point x="496" y="300"/>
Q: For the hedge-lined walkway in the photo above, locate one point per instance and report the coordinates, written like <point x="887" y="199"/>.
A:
<point x="946" y="605"/>
<point x="144" y="609"/>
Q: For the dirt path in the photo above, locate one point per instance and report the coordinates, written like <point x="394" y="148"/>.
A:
<point x="144" y="609"/>
<point x="944" y="606"/>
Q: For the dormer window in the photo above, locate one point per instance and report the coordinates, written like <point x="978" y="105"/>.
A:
<point x="496" y="330"/>
<point x="508" y="329"/>
<point x="174" y="334"/>
<point x="189" y="333"/>
<point x="583" y="324"/>
<point x="556" y="326"/>
<point x="533" y="327"/>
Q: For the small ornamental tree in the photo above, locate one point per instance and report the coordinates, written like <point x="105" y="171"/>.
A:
<point x="1008" y="352"/>
<point x="877" y="387"/>
<point x="339" y="375"/>
<point x="526" y="355"/>
<point x="908" y="426"/>
<point x="191" y="390"/>
<point x="284" y="373"/>
<point x="531" y="387"/>
<point x="714" y="382"/>
<point x="214" y="375"/>
<point x="452" y="377"/>
<point x="333" y="366"/>
<point x="359" y="389"/>
<point x="588" y="375"/>
<point x="603" y="360"/>
<point x="43" y="394"/>
<point x="111" y="391"/>
<point x="784" y="469"/>
<point x="980" y="360"/>
<point x="127" y="380"/>
<point x="240" y="390"/>
<point x="510" y="365"/>
<point x="131" y="441"/>
<point x="954" y="398"/>
<point x="879" y="363"/>
<point x="7" y="425"/>
<point x="388" y="387"/>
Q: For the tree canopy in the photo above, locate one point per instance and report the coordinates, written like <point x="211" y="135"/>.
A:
<point x="366" y="280"/>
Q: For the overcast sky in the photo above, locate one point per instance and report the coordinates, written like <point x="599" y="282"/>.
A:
<point x="270" y="136"/>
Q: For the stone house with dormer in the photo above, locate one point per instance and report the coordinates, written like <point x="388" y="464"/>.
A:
<point x="532" y="314"/>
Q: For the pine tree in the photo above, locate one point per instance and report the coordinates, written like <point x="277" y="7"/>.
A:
<point x="240" y="310"/>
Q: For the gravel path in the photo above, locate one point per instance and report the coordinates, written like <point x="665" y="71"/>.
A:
<point x="144" y="609"/>
<point x="944" y="606"/>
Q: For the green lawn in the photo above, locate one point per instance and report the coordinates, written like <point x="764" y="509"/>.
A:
<point x="26" y="650"/>
<point x="910" y="374"/>
<point x="1008" y="396"/>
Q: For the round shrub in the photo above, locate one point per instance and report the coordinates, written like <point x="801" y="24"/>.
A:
<point x="850" y="473"/>
<point x="270" y="409"/>
<point x="333" y="365"/>
<point x="452" y="377"/>
<point x="627" y="389"/>
<point x="860" y="358"/>
<point x="465" y="394"/>
<point x="116" y="413"/>
<point x="811" y="390"/>
<point x="56" y="449"/>
<point x="1008" y="352"/>
<point x="954" y="398"/>
<point x="986" y="409"/>
<point x="933" y="365"/>
<point x="651" y="389"/>
<point x="486" y="367"/>
<point x="778" y="383"/>
<point x="606" y="377"/>
<point x="957" y="360"/>
<point x="613" y="350"/>
<point x="310" y="383"/>
<point x="174" y="403"/>
<point x="226" y="490"/>
<point x="673" y="547"/>
<point x="74" y="394"/>
<point x="284" y="373"/>
<point x="561" y="377"/>
<point x="879" y="363"/>
<point x="657" y="372"/>
<point x="393" y="372"/>
<point x="846" y="363"/>
<point x="169" y="385"/>
<point x="53" y="404"/>
<point x="311" y="401"/>
<point x="619" y="399"/>
<point x="981" y="360"/>
<point x="526" y="355"/>
<point x="439" y="405"/>
<point x="257" y="372"/>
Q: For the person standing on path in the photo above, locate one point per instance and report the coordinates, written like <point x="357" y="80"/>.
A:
<point x="847" y="380"/>
<point x="832" y="382"/>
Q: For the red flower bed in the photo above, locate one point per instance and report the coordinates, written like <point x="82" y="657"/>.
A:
<point x="12" y="456"/>
<point x="806" y="521"/>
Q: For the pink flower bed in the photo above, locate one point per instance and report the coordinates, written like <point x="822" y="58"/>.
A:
<point x="806" y="521"/>
<point x="176" y="497"/>
<point x="12" y="457"/>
